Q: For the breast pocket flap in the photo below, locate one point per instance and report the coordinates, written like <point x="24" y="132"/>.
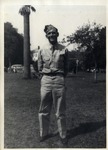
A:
<point x="46" y="58"/>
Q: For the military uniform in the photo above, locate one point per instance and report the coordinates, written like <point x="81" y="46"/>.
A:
<point x="52" y="64"/>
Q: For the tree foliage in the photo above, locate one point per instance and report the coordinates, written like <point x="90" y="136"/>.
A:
<point x="13" y="45"/>
<point x="91" y="38"/>
<point x="26" y="9"/>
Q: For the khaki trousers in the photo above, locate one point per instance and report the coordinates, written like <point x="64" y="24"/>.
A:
<point x="52" y="92"/>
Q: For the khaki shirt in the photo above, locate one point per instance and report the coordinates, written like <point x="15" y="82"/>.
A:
<point x="53" y="61"/>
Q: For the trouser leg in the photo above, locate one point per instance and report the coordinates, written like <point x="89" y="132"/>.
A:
<point x="60" y="108"/>
<point x="44" y="110"/>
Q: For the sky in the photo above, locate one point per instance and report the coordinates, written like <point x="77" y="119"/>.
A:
<point x="67" y="18"/>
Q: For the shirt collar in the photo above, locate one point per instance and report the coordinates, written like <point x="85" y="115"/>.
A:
<point x="51" y="46"/>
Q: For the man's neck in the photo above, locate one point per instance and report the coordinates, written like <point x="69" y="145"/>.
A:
<point x="53" y="43"/>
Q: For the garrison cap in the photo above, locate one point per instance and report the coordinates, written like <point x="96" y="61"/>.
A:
<point x="50" y="27"/>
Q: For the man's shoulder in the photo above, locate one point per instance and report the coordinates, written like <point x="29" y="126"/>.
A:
<point x="62" y="47"/>
<point x="44" y="47"/>
<point x="48" y="46"/>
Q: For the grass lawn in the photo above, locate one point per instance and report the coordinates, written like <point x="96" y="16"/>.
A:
<point x="86" y="112"/>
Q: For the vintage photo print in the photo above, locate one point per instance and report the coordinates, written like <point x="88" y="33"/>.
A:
<point x="53" y="74"/>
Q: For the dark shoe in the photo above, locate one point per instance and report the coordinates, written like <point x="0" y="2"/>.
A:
<point x="46" y="137"/>
<point x="43" y="138"/>
<point x="64" y="141"/>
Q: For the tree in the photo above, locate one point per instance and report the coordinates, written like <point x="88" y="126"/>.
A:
<point x="101" y="46"/>
<point x="88" y="37"/>
<point x="13" y="45"/>
<point x="25" y="12"/>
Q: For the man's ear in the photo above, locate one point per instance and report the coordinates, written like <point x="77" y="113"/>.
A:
<point x="57" y="34"/>
<point x="46" y="36"/>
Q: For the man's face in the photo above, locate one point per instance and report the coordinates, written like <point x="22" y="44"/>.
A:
<point x="52" y="36"/>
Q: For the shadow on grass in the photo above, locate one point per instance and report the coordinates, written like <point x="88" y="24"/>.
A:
<point x="85" y="128"/>
<point x="82" y="129"/>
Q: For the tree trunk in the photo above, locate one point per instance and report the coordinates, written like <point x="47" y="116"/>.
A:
<point x="77" y="66"/>
<point x="27" y="74"/>
<point x="9" y="63"/>
<point x="95" y="72"/>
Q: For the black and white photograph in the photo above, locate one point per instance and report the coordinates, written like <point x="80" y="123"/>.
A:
<point x="54" y="74"/>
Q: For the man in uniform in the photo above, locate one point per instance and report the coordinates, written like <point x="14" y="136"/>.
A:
<point x="52" y="65"/>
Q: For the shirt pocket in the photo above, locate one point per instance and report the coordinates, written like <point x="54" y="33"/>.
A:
<point x="46" y="61"/>
<point x="46" y="58"/>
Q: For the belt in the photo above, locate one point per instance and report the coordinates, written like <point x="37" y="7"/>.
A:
<point x="53" y="74"/>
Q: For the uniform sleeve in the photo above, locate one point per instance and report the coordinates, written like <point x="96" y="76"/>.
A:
<point x="66" y="63"/>
<point x="40" y="62"/>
